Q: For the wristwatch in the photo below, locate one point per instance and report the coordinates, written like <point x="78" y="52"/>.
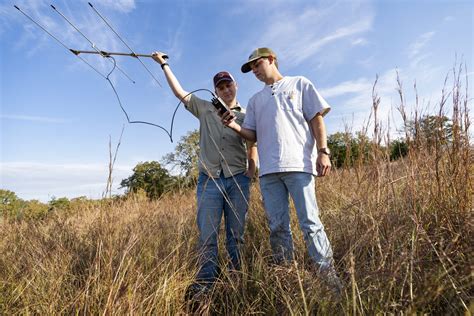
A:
<point x="325" y="151"/>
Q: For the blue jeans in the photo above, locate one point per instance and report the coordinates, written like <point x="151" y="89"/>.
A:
<point x="217" y="197"/>
<point x="276" y="188"/>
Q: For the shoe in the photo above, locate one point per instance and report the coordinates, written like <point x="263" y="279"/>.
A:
<point x="196" y="296"/>
<point x="333" y="282"/>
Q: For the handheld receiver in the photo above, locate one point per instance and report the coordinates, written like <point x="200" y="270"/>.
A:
<point x="219" y="105"/>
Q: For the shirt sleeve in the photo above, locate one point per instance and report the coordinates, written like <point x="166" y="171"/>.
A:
<point x="249" y="121"/>
<point x="313" y="102"/>
<point x="196" y="105"/>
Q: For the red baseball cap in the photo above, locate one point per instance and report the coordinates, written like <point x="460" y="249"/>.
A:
<point x="222" y="76"/>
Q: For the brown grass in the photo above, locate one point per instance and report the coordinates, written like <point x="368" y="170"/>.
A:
<point x="401" y="232"/>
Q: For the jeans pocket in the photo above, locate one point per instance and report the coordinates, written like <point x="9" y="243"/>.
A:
<point x="246" y="177"/>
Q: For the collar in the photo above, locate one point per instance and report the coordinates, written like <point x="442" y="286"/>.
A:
<point x="276" y="84"/>
<point x="236" y="107"/>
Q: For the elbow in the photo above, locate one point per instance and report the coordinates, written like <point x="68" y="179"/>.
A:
<point x="179" y="95"/>
<point x="251" y="137"/>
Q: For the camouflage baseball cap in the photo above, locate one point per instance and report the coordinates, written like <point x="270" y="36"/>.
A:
<point x="256" y="54"/>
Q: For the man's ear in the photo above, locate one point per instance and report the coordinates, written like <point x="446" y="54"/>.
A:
<point x="271" y="59"/>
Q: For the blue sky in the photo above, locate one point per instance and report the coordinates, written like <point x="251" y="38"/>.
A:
<point x="57" y="114"/>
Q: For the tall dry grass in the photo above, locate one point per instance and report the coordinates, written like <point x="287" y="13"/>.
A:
<point x="401" y="233"/>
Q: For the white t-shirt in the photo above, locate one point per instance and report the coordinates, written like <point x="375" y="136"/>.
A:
<point x="280" y="115"/>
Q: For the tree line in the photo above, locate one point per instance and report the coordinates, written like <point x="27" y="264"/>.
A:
<point x="179" y="170"/>
<point x="347" y="149"/>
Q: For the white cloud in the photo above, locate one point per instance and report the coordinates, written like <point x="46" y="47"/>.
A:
<point x="40" y="119"/>
<point x="357" y="86"/>
<point x="33" y="180"/>
<point x="175" y="38"/>
<point x="359" y="42"/>
<point x="124" y="6"/>
<point x="352" y="100"/>
<point x="297" y="35"/>
<point x="314" y="45"/>
<point x="82" y="16"/>
<point x="415" y="48"/>
<point x="448" y="18"/>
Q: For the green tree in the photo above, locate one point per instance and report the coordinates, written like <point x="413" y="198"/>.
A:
<point x="34" y="209"/>
<point x="398" y="149"/>
<point x="431" y="130"/>
<point x="184" y="159"/>
<point x="59" y="204"/>
<point x="346" y="148"/>
<point x="13" y="207"/>
<point x="10" y="204"/>
<point x="339" y="145"/>
<point x="150" y="177"/>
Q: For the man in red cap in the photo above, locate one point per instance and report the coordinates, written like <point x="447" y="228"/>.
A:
<point x="226" y="165"/>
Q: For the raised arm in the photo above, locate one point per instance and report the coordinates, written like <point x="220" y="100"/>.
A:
<point x="173" y="82"/>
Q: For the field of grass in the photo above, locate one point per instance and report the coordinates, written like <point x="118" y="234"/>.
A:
<point x="401" y="231"/>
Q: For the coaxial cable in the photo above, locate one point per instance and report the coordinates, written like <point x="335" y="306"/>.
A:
<point x="108" y="55"/>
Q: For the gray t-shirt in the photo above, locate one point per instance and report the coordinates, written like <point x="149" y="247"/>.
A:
<point x="221" y="149"/>
<point x="280" y="115"/>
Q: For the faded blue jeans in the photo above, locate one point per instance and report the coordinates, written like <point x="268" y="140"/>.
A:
<point x="217" y="197"/>
<point x="276" y="188"/>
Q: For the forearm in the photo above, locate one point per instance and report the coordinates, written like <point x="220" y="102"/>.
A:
<point x="248" y="134"/>
<point x="319" y="131"/>
<point x="323" y="163"/>
<point x="174" y="84"/>
<point x="252" y="155"/>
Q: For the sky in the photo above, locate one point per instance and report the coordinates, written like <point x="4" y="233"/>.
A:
<point x="58" y="116"/>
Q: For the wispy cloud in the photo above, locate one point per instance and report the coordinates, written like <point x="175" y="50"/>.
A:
<point x="314" y="45"/>
<point x="310" y="32"/>
<point x="119" y="5"/>
<point x="174" y="42"/>
<point x="81" y="15"/>
<point x="352" y="100"/>
<point x="359" y="42"/>
<point x="448" y="18"/>
<point x="40" y="119"/>
<point x="361" y="85"/>
<point x="415" y="48"/>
